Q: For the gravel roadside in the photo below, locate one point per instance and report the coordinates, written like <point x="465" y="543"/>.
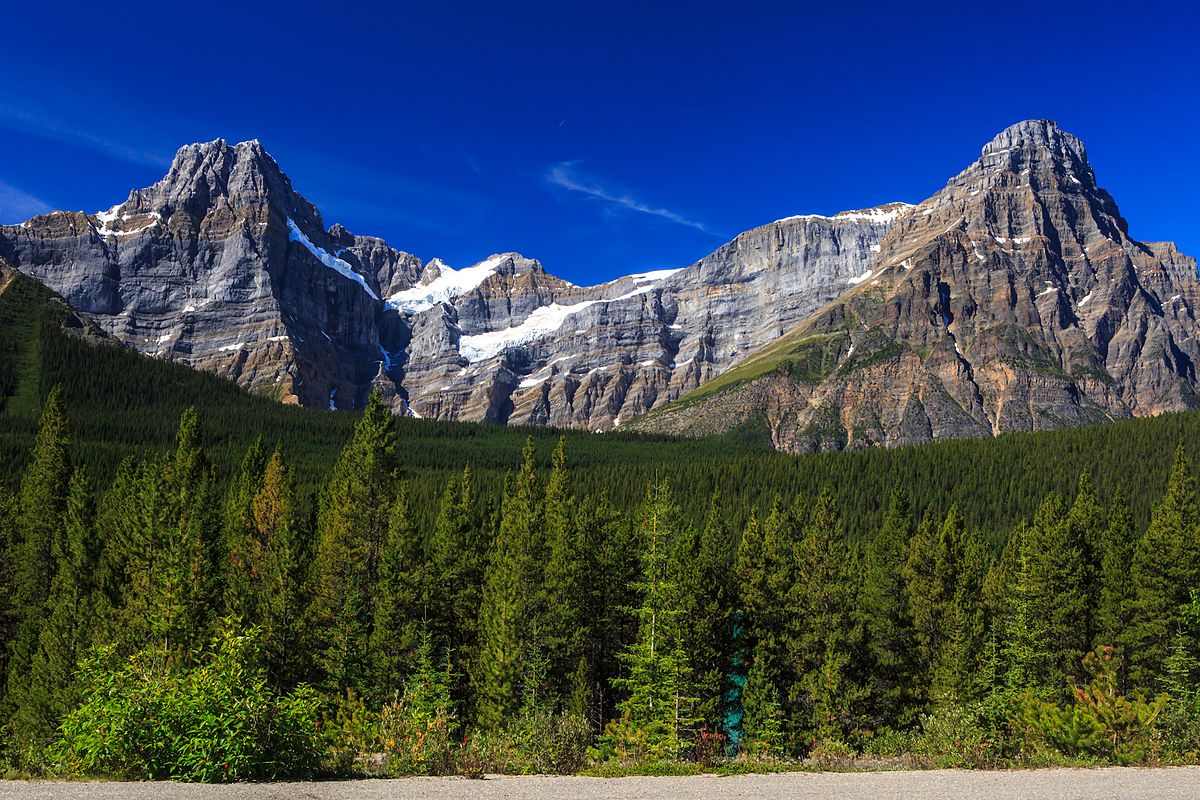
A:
<point x="1181" y="783"/>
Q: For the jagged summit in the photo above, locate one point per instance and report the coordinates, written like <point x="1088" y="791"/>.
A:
<point x="1012" y="299"/>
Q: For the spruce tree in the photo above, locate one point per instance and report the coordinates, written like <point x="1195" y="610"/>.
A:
<point x="1117" y="591"/>
<point x="456" y="556"/>
<point x="41" y="524"/>
<point x="352" y="524"/>
<point x="66" y="632"/>
<point x="245" y="554"/>
<point x="656" y="710"/>
<point x="761" y="732"/>
<point x="943" y="577"/>
<point x="884" y="614"/>
<point x="280" y="601"/>
<point x="562" y="626"/>
<point x="822" y="635"/>
<point x="1085" y="530"/>
<point x="1166" y="565"/>
<point x="512" y="598"/>
<point x="1056" y="588"/>
<point x="399" y="607"/>
<point x="707" y="580"/>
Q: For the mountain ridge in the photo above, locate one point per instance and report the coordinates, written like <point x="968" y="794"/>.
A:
<point x="224" y="266"/>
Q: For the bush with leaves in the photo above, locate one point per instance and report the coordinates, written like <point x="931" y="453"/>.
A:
<point x="1101" y="723"/>
<point x="952" y="736"/>
<point x="148" y="717"/>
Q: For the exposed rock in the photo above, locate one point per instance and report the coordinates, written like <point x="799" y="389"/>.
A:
<point x="1014" y="299"/>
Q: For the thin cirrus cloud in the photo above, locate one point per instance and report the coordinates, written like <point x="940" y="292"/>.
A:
<point x="58" y="126"/>
<point x="17" y="205"/>
<point x="565" y="176"/>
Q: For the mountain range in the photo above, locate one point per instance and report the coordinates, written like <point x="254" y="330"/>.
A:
<point x="1012" y="299"/>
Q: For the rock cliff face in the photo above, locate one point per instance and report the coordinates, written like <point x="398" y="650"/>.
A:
<point x="1013" y="299"/>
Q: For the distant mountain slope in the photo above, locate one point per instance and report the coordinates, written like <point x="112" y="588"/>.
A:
<point x="223" y="266"/>
<point x="1012" y="300"/>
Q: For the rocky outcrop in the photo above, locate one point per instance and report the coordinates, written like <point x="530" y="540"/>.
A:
<point x="1013" y="299"/>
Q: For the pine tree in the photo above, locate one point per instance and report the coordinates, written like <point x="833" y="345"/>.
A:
<point x="41" y="522"/>
<point x="762" y="721"/>
<point x="245" y="553"/>
<point x="943" y="579"/>
<point x="280" y="601"/>
<point x="562" y="625"/>
<point x="456" y="554"/>
<point x="1085" y="530"/>
<point x="352" y="524"/>
<point x="884" y="615"/>
<point x="822" y="635"/>
<point x="657" y="682"/>
<point x="399" y="608"/>
<point x="65" y="635"/>
<point x="1117" y="592"/>
<point x="512" y="598"/>
<point x="1166" y="565"/>
<point x="1056" y="588"/>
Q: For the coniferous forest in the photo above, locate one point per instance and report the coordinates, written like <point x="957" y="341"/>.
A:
<point x="203" y="585"/>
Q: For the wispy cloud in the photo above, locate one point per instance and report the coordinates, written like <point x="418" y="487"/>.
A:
<point x="566" y="176"/>
<point x="48" y="124"/>
<point x="17" y="205"/>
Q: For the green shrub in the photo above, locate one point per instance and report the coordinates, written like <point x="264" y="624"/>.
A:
<point x="1101" y="723"/>
<point x="952" y="736"/>
<point x="147" y="717"/>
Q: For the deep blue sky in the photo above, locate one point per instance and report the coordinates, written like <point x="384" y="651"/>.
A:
<point x="600" y="138"/>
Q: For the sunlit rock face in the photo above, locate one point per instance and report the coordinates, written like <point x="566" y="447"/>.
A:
<point x="1014" y="299"/>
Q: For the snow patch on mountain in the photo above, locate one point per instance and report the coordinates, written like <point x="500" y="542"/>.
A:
<point x="449" y="284"/>
<point x="329" y="260"/>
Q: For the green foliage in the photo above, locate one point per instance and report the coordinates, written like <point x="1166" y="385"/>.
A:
<point x="147" y="717"/>
<point x="952" y="736"/>
<point x="1100" y="723"/>
<point x="762" y="735"/>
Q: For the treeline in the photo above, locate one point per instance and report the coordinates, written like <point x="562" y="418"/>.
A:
<point x="176" y="609"/>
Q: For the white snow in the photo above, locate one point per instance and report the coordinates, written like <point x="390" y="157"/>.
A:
<point x="1022" y="239"/>
<point x="651" y="363"/>
<point x="877" y="215"/>
<point x="276" y="338"/>
<point x="539" y="323"/>
<point x="875" y="248"/>
<point x="685" y="363"/>
<point x="906" y="263"/>
<point x="1000" y="239"/>
<point x="332" y="397"/>
<point x="449" y="284"/>
<point x="653" y="275"/>
<point x="107" y="217"/>
<point x="850" y="352"/>
<point x="189" y="309"/>
<point x="1048" y="290"/>
<point x="238" y="346"/>
<point x="331" y="261"/>
<point x="1083" y="302"/>
<point x="1174" y="297"/>
<point x="531" y="382"/>
<point x="860" y="278"/>
<point x="166" y="337"/>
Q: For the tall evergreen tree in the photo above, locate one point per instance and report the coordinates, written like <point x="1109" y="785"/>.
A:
<point x="281" y="598"/>
<point x="822" y="635"/>
<point x="1166" y="565"/>
<point x="943" y="579"/>
<point x="562" y="625"/>
<point x="66" y="632"/>
<point x="352" y="524"/>
<point x="1056" y="589"/>
<point x="1085" y="531"/>
<point x="456" y="556"/>
<point x="885" y="617"/>
<point x="41" y="523"/>
<point x="657" y="682"/>
<point x="512" y="598"/>
<point x="399" y="608"/>
<point x="245" y="553"/>
<point x="1117" y="591"/>
<point x="708" y="587"/>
